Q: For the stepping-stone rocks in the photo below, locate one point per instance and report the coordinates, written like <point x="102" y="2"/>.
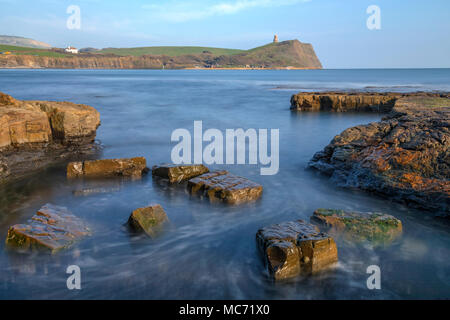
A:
<point x="178" y="173"/>
<point x="378" y="228"/>
<point x="225" y="187"/>
<point x="127" y="167"/>
<point x="150" y="220"/>
<point x="295" y="248"/>
<point x="51" y="229"/>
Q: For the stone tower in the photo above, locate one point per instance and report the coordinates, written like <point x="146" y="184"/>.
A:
<point x="275" y="38"/>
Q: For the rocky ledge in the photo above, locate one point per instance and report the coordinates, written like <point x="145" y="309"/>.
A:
<point x="34" y="134"/>
<point x="405" y="156"/>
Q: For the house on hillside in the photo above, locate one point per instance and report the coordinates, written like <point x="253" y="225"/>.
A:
<point x="70" y="49"/>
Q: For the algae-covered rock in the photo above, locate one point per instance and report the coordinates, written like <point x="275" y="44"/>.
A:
<point x="178" y="173"/>
<point x="52" y="229"/>
<point x="132" y="167"/>
<point x="150" y="220"/>
<point x="296" y="248"/>
<point x="225" y="187"/>
<point x="379" y="228"/>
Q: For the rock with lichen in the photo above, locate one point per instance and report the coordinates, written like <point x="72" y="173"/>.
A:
<point x="149" y="220"/>
<point x="51" y="229"/>
<point x="378" y="228"/>
<point x="177" y="173"/>
<point x="222" y="186"/>
<point x="126" y="167"/>
<point x="405" y="156"/>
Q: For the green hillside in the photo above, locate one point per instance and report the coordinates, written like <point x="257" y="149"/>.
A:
<point x="168" y="51"/>
<point x="30" y="51"/>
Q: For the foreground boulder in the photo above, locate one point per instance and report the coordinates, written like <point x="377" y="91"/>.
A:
<point x="178" y="173"/>
<point x="378" y="228"/>
<point x="405" y="156"/>
<point x="132" y="167"/>
<point x="53" y="228"/>
<point x="34" y="134"/>
<point x="149" y="220"/>
<point x="225" y="187"/>
<point x="295" y="248"/>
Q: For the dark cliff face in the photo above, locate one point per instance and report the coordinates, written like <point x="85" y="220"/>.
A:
<point x="290" y="53"/>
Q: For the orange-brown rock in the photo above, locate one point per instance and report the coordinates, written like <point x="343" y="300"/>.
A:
<point x="178" y="173"/>
<point x="52" y="229"/>
<point x="150" y="220"/>
<point x="405" y="156"/>
<point x="34" y="134"/>
<point x="296" y="248"/>
<point x="127" y="167"/>
<point x="225" y="187"/>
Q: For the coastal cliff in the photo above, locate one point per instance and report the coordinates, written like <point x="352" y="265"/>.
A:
<point x="34" y="134"/>
<point x="405" y="156"/>
<point x="286" y="54"/>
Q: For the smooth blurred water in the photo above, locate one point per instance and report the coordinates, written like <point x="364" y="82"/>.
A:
<point x="209" y="251"/>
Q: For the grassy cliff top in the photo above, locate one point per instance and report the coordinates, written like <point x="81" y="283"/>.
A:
<point x="172" y="51"/>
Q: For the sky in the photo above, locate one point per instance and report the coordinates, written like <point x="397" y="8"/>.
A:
<point x="412" y="34"/>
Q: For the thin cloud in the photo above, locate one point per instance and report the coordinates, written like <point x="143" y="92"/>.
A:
<point x="182" y="12"/>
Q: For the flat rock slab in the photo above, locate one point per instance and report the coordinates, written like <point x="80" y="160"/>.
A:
<point x="296" y="248"/>
<point x="378" y="228"/>
<point x="132" y="167"/>
<point x="51" y="229"/>
<point x="225" y="187"/>
<point x="178" y="173"/>
<point x="149" y="220"/>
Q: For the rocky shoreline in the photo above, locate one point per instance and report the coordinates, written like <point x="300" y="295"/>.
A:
<point x="404" y="157"/>
<point x="35" y="134"/>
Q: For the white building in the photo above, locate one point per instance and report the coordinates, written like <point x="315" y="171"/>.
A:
<point x="70" y="49"/>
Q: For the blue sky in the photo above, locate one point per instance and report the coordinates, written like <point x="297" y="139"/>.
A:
<point x="413" y="33"/>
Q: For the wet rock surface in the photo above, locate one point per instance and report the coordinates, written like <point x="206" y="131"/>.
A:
<point x="52" y="229"/>
<point x="34" y="134"/>
<point x="378" y="228"/>
<point x="178" y="173"/>
<point x="295" y="248"/>
<point x="149" y="220"/>
<point x="131" y="167"/>
<point x="222" y="186"/>
<point x="405" y="156"/>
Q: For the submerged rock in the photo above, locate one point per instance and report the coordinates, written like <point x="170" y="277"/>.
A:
<point x="52" y="228"/>
<point x="149" y="220"/>
<point x="378" y="228"/>
<point x="178" y="173"/>
<point x="34" y="134"/>
<point x="405" y="156"/>
<point x="132" y="167"/>
<point x="226" y="187"/>
<point x="295" y="248"/>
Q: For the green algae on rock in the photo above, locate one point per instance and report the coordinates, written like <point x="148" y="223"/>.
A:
<point x="150" y="220"/>
<point x="52" y="229"/>
<point x="178" y="173"/>
<point x="295" y="248"/>
<point x="378" y="228"/>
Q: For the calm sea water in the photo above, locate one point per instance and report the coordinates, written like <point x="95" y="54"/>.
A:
<point x="209" y="251"/>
